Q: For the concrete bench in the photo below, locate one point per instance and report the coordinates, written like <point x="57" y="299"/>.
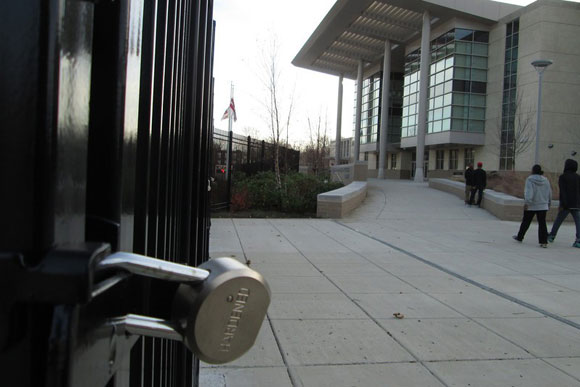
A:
<point x="503" y="206"/>
<point x="338" y="203"/>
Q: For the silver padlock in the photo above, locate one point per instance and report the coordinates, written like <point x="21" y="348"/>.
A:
<point x="222" y="316"/>
<point x="217" y="310"/>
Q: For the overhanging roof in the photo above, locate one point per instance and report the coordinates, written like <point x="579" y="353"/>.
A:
<point x="357" y="29"/>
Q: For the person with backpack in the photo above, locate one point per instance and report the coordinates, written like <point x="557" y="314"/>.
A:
<point x="569" y="184"/>
<point x="537" y="200"/>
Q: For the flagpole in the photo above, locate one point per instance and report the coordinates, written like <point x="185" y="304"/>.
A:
<point x="230" y="124"/>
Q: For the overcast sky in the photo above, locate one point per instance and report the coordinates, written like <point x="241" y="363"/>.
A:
<point x="242" y="29"/>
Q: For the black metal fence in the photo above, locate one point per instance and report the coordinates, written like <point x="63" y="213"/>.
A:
<point x="246" y="155"/>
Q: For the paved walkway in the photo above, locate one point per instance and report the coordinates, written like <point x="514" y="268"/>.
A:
<point x="479" y="308"/>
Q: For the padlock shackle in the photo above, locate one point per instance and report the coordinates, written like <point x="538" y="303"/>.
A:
<point x="152" y="267"/>
<point x="133" y="324"/>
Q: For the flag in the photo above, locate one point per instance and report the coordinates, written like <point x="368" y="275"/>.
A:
<point x="231" y="108"/>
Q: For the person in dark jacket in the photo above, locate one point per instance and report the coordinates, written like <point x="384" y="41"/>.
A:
<point x="469" y="182"/>
<point x="537" y="200"/>
<point x="479" y="184"/>
<point x="569" y="183"/>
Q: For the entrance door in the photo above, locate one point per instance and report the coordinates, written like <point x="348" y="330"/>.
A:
<point x="105" y="139"/>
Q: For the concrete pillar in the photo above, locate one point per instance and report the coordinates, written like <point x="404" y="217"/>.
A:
<point x="423" y="89"/>
<point x="338" y="121"/>
<point x="359" y="84"/>
<point x="384" y="109"/>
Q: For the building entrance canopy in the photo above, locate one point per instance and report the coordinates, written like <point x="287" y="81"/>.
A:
<point x="355" y="30"/>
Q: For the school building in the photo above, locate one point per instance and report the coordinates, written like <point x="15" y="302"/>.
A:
<point x="454" y="82"/>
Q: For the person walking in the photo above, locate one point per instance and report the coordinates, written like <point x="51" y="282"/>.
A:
<point x="537" y="200"/>
<point x="569" y="184"/>
<point x="479" y="184"/>
<point x="469" y="182"/>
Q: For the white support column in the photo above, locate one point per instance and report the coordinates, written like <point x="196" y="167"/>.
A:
<point x="385" y="109"/>
<point x="359" y="82"/>
<point x="423" y="88"/>
<point x="338" y="120"/>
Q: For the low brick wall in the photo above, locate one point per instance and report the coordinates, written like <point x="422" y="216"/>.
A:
<point x="338" y="203"/>
<point x="503" y="206"/>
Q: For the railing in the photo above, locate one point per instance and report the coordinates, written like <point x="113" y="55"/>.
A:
<point x="246" y="155"/>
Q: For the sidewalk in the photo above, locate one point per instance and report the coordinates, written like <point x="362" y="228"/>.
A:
<point x="479" y="308"/>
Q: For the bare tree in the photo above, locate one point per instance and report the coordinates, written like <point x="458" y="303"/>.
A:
<point x="250" y="131"/>
<point x="517" y="135"/>
<point x="316" y="152"/>
<point x="279" y="112"/>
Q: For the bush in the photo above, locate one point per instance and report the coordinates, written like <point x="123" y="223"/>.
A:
<point x="298" y="193"/>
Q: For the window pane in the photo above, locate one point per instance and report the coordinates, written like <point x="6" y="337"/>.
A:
<point x="477" y="113"/>
<point x="440" y="66"/>
<point x="439" y="89"/>
<point x="477" y="100"/>
<point x="479" y="49"/>
<point x="447" y="99"/>
<point x="461" y="86"/>
<point x="448" y="86"/>
<point x="463" y="34"/>
<point x="481" y="36"/>
<point x="462" y="60"/>
<point x="460" y="99"/>
<point x="438" y="114"/>
<point x="460" y="112"/>
<point x="459" y="125"/>
<point x="437" y="126"/>
<point x="449" y="62"/>
<point x="479" y="75"/>
<point x="438" y="102"/>
<point x="449" y="74"/>
<point x="447" y="112"/>
<point x="479" y="62"/>
<point x="446" y="125"/>
<point x="440" y="77"/>
<point x="462" y="73"/>
<point x="463" y="47"/>
<point x="479" y="87"/>
<point x="476" y="126"/>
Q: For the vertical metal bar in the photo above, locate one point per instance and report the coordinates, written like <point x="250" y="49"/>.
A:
<point x="229" y="177"/>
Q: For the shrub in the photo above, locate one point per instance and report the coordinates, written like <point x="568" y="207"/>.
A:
<point x="298" y="193"/>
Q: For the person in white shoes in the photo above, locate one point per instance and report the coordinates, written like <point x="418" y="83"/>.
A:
<point x="537" y="200"/>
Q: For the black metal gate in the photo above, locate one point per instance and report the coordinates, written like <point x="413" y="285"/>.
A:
<point x="105" y="116"/>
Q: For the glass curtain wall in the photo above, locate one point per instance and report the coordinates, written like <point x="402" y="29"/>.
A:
<point x="509" y="101"/>
<point x="457" y="84"/>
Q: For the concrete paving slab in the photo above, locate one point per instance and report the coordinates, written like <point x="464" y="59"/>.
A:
<point x="569" y="281"/>
<point x="335" y="270"/>
<point x="330" y="258"/>
<point x="371" y="284"/>
<point x="542" y="337"/>
<point x="313" y="306"/>
<point x="276" y="257"/>
<point x="258" y="235"/>
<point x="245" y="377"/>
<point x="293" y="284"/>
<point x="570" y="365"/>
<point x="438" y="283"/>
<point x="286" y="269"/>
<point x="327" y="342"/>
<point x="451" y="339"/>
<point x="518" y="284"/>
<point x="487" y="305"/>
<point x="419" y="305"/>
<point x="367" y="375"/>
<point x="264" y="353"/>
<point x="564" y="303"/>
<point x="520" y="373"/>
<point x="311" y="239"/>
